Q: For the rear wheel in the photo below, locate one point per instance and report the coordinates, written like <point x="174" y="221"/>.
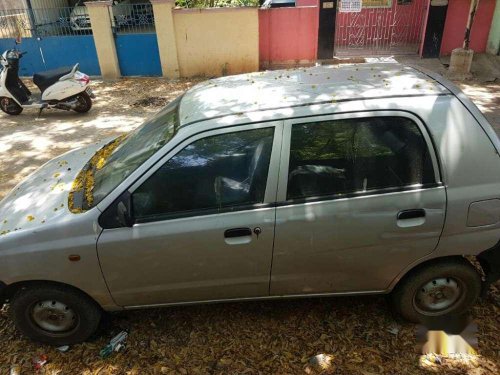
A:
<point x="54" y="314"/>
<point x="9" y="106"/>
<point x="446" y="287"/>
<point x="84" y="103"/>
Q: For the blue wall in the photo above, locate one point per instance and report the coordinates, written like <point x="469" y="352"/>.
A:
<point x="57" y="51"/>
<point x="138" y="54"/>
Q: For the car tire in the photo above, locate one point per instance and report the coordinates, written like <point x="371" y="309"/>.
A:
<point x="443" y="288"/>
<point x="84" y="102"/>
<point x="55" y="314"/>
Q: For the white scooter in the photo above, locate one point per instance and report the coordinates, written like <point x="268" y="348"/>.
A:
<point x="62" y="88"/>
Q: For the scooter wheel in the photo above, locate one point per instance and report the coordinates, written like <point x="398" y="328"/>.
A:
<point x="9" y="106"/>
<point x="84" y="103"/>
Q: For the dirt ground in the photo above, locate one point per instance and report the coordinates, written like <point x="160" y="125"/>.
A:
<point x="359" y="335"/>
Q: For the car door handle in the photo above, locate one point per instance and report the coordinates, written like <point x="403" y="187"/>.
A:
<point x="237" y="232"/>
<point x="411" y="214"/>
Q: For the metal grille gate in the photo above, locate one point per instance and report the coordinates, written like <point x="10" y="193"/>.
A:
<point x="396" y="28"/>
<point x="53" y="37"/>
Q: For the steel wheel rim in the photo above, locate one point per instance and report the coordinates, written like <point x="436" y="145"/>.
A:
<point x="53" y="316"/>
<point x="438" y="295"/>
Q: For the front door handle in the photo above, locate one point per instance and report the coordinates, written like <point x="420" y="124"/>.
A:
<point x="237" y="232"/>
<point x="411" y="214"/>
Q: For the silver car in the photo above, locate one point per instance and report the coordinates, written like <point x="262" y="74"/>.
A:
<point x="361" y="179"/>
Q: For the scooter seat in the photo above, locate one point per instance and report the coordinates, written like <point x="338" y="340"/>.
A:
<point x="45" y="79"/>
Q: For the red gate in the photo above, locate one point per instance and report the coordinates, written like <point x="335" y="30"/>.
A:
<point x="381" y="27"/>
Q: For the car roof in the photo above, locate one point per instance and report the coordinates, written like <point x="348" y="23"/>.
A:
<point x="303" y="86"/>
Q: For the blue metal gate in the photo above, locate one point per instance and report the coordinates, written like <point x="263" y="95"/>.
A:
<point x="52" y="38"/>
<point x="135" y="39"/>
<point x="138" y="54"/>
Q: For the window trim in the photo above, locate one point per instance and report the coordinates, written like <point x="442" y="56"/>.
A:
<point x="285" y="159"/>
<point x="360" y="194"/>
<point x="272" y="177"/>
<point x="202" y="212"/>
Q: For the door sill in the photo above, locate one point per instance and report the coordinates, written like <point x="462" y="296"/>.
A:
<point x="245" y="299"/>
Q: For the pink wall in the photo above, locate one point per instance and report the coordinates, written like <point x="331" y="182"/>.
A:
<point x="288" y="35"/>
<point x="456" y="22"/>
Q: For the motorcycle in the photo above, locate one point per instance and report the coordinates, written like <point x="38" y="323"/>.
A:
<point x="62" y="88"/>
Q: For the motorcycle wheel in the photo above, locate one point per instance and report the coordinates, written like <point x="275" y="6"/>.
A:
<point x="84" y="103"/>
<point x="9" y="106"/>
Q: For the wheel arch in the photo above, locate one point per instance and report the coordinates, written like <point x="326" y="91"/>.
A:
<point x="11" y="289"/>
<point x="413" y="268"/>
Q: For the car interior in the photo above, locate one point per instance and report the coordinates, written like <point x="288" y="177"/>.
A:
<point x="198" y="179"/>
<point x="357" y="156"/>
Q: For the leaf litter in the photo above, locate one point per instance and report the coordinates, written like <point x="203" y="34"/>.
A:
<point x="346" y="335"/>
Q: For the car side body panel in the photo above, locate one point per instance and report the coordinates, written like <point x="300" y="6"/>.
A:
<point x="189" y="258"/>
<point x="469" y="163"/>
<point x="43" y="255"/>
<point x="458" y="141"/>
<point x="38" y="232"/>
<point x="352" y="244"/>
<point x="356" y="243"/>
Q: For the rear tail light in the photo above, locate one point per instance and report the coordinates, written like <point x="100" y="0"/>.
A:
<point x="84" y="79"/>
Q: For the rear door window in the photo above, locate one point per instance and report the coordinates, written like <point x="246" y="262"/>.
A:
<point x="337" y="157"/>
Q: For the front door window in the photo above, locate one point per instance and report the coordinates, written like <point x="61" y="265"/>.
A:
<point x="222" y="172"/>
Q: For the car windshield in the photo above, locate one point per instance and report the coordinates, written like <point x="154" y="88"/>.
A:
<point x="133" y="150"/>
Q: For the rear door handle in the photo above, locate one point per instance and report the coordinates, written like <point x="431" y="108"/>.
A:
<point x="411" y="214"/>
<point x="237" y="232"/>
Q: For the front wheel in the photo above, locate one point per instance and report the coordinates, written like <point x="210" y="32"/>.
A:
<point x="447" y="287"/>
<point x="9" y="106"/>
<point x="83" y="102"/>
<point x="55" y="314"/>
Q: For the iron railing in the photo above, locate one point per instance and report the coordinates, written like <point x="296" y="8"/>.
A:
<point x="125" y="18"/>
<point x="132" y="18"/>
<point x="44" y="22"/>
<point x="216" y="3"/>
